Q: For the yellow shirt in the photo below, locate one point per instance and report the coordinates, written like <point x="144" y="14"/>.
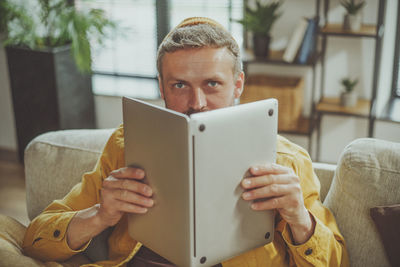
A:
<point x="45" y="237"/>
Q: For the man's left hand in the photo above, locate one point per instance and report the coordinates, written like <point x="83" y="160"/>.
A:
<point x="273" y="186"/>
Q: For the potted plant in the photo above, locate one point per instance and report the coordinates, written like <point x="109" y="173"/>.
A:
<point x="348" y="96"/>
<point x="259" y="21"/>
<point x="49" y="63"/>
<point x="352" y="19"/>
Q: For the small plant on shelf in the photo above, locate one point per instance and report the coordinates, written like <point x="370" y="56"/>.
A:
<point x="259" y="21"/>
<point x="348" y="97"/>
<point x="352" y="20"/>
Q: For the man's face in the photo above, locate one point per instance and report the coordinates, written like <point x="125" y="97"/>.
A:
<point x="199" y="79"/>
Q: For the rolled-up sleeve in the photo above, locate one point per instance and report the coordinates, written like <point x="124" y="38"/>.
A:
<point x="326" y="247"/>
<point x="46" y="235"/>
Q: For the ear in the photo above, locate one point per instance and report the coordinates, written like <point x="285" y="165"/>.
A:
<point x="239" y="84"/>
<point x="160" y="86"/>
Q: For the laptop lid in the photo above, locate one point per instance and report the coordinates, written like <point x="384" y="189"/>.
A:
<point x="195" y="166"/>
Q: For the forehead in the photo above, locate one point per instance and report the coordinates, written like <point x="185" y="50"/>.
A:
<point x="197" y="61"/>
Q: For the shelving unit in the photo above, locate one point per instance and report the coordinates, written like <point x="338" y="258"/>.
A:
<point x="330" y="105"/>
<point x="305" y="125"/>
<point x="365" y="108"/>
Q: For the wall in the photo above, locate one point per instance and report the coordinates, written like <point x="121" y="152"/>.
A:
<point x="8" y="139"/>
<point x="109" y="110"/>
<point x="355" y="56"/>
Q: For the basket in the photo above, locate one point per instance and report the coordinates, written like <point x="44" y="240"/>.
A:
<point x="287" y="90"/>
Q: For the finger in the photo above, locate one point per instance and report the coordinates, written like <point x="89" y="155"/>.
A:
<point x="258" y="181"/>
<point x="269" y="168"/>
<point x="269" y="191"/>
<point x="269" y="204"/>
<point x="128" y="172"/>
<point x="129" y="207"/>
<point x="131" y="185"/>
<point x="131" y="197"/>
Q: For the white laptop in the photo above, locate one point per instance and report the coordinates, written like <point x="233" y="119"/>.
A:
<point x="195" y="166"/>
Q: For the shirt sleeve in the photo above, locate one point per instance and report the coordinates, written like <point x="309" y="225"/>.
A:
<point x="45" y="237"/>
<point x="326" y="247"/>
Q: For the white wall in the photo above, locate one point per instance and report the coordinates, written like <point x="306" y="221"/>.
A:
<point x="109" y="110"/>
<point x="8" y="138"/>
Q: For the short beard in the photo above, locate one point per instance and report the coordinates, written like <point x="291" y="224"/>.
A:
<point x="191" y="111"/>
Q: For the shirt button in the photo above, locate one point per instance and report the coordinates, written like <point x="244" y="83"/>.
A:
<point x="56" y="233"/>
<point x="308" y="251"/>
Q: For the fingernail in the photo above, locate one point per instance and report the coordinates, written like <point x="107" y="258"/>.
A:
<point x="140" y="172"/>
<point x="246" y="195"/>
<point x="115" y="171"/>
<point x="246" y="182"/>
<point x="254" y="169"/>
<point x="148" y="191"/>
<point x="253" y="206"/>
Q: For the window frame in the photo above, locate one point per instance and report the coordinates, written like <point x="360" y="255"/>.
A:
<point x="396" y="64"/>
<point x="163" y="21"/>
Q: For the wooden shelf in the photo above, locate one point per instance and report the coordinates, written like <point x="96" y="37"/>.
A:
<point x="367" y="30"/>
<point x="332" y="106"/>
<point x="275" y="57"/>
<point x="302" y="129"/>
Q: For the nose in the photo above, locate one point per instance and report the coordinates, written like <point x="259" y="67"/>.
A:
<point x="198" y="99"/>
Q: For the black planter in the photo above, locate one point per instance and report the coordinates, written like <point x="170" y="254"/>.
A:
<point x="261" y="45"/>
<point x="48" y="93"/>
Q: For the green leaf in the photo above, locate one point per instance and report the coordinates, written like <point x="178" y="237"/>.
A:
<point x="261" y="19"/>
<point x="52" y="23"/>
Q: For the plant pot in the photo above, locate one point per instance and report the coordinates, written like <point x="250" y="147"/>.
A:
<point x="48" y="93"/>
<point x="261" y="45"/>
<point x="352" y="22"/>
<point x="348" y="99"/>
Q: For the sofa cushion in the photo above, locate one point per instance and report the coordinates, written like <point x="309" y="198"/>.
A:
<point x="368" y="175"/>
<point x="55" y="162"/>
<point x="387" y="221"/>
<point x="11" y="238"/>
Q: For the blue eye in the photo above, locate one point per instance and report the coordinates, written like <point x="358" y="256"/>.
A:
<point x="179" y="85"/>
<point x="212" y="83"/>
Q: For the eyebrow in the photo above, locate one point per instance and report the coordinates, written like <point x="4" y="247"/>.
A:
<point x="213" y="77"/>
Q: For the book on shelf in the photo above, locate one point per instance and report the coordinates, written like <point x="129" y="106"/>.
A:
<point x="302" y="42"/>
<point x="309" y="43"/>
<point x="295" y="41"/>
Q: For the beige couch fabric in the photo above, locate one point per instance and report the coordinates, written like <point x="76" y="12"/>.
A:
<point x="55" y="162"/>
<point x="11" y="238"/>
<point x="368" y="175"/>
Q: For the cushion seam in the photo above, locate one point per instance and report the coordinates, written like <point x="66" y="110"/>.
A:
<point x="363" y="165"/>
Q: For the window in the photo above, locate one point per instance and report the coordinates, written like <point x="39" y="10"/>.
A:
<point x="396" y="66"/>
<point x="126" y="65"/>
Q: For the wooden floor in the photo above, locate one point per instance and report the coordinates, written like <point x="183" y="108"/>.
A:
<point x="12" y="191"/>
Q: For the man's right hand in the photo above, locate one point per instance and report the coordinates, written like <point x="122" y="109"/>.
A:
<point x="122" y="192"/>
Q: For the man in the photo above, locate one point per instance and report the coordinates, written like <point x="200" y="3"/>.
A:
<point x="199" y="70"/>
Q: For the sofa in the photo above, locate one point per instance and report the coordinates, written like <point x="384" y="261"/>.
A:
<point x="366" y="176"/>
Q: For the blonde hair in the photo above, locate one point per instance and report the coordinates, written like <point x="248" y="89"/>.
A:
<point x="197" y="32"/>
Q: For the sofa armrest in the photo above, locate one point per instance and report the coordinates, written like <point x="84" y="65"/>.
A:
<point x="55" y="162"/>
<point x="325" y="173"/>
<point x="367" y="176"/>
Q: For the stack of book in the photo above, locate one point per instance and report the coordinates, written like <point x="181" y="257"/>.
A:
<point x="302" y="44"/>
